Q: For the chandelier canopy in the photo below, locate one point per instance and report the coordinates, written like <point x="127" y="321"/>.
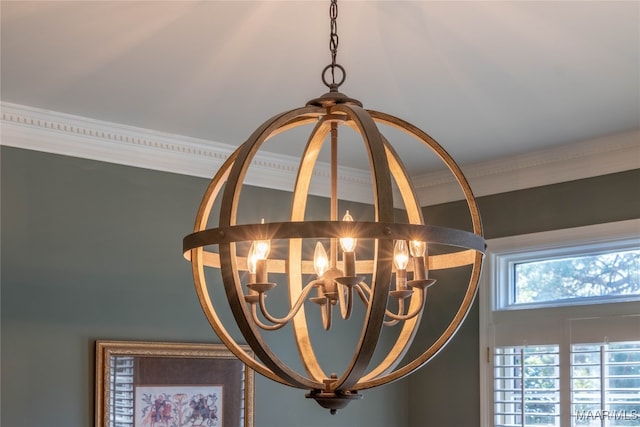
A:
<point x="316" y="262"/>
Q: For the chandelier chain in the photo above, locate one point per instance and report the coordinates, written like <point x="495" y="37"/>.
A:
<point x="333" y="48"/>
<point x="333" y="40"/>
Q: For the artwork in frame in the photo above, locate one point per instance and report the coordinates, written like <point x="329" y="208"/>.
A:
<point x="178" y="405"/>
<point x="161" y="384"/>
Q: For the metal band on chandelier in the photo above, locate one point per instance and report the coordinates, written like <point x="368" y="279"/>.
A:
<point x="390" y="282"/>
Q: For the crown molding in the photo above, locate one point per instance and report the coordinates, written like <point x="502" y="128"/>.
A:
<point x="59" y="133"/>
<point x="584" y="159"/>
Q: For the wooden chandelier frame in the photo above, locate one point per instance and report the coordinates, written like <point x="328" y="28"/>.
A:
<point x="328" y="112"/>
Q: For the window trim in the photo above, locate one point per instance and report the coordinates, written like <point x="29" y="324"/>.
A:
<point x="490" y="310"/>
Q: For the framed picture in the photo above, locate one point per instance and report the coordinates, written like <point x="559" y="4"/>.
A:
<point x="161" y="384"/>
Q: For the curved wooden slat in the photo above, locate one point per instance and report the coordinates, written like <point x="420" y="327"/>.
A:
<point x="298" y="209"/>
<point x="416" y="304"/>
<point x="230" y="277"/>
<point x="472" y="287"/>
<point x="383" y="205"/>
<point x="197" y="261"/>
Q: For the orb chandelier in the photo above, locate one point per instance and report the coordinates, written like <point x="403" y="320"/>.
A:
<point x="315" y="260"/>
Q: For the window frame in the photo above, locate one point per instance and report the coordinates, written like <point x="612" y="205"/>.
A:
<point x="559" y="317"/>
<point x="506" y="280"/>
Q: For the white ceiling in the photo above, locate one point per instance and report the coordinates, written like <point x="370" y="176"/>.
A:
<point x="486" y="79"/>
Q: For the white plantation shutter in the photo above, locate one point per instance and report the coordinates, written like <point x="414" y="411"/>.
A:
<point x="526" y="386"/>
<point x="605" y="384"/>
<point x="605" y="371"/>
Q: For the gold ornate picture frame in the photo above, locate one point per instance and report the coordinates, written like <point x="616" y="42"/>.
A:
<point x="164" y="384"/>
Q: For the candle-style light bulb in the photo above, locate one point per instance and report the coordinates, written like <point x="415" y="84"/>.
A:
<point x="251" y="259"/>
<point x="348" y="243"/>
<point x="401" y="255"/>
<point x="261" y="250"/>
<point x="418" y="248"/>
<point x="320" y="260"/>
<point x="418" y="252"/>
<point x="400" y="260"/>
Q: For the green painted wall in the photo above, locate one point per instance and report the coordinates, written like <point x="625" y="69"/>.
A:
<point x="91" y="250"/>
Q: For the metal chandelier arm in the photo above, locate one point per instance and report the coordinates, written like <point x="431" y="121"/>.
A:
<point x="364" y="293"/>
<point x="294" y="310"/>
<point x="262" y="325"/>
<point x="420" y="295"/>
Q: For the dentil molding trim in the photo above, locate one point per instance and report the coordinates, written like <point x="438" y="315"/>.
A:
<point x="59" y="133"/>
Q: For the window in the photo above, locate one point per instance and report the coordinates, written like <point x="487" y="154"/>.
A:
<point x="560" y="327"/>
<point x="571" y="273"/>
<point x="594" y="276"/>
